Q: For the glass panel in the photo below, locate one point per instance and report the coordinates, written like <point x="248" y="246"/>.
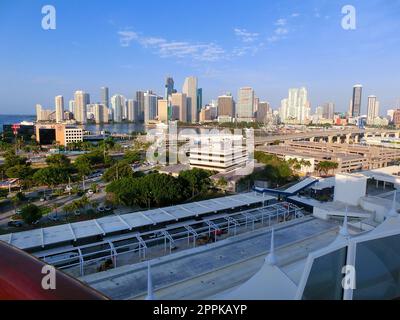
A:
<point x="325" y="279"/>
<point x="378" y="269"/>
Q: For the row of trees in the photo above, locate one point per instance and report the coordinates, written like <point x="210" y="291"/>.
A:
<point x="157" y="189"/>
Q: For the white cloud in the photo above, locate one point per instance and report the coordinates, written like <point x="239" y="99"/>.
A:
<point x="178" y="49"/>
<point x="281" y="31"/>
<point x="126" y="37"/>
<point x="245" y="35"/>
<point x="281" y="22"/>
<point x="295" y="15"/>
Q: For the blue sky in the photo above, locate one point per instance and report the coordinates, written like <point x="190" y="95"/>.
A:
<point x="133" y="45"/>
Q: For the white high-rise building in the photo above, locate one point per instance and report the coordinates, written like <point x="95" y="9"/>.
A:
<point x="296" y="108"/>
<point x="373" y="109"/>
<point x="59" y="104"/>
<point x="150" y="107"/>
<point x="100" y="112"/>
<point x="117" y="104"/>
<point x="38" y="108"/>
<point x="245" y="105"/>
<point x="190" y="89"/>
<point x="390" y="114"/>
<point x="80" y="114"/>
<point x="132" y="110"/>
<point x="71" y="106"/>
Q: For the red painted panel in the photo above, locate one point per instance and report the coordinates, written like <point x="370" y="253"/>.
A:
<point x="21" y="279"/>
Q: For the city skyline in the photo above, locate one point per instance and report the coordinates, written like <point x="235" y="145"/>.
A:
<point x="224" y="54"/>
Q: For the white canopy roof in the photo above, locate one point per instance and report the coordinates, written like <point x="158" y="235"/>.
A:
<point x="102" y="226"/>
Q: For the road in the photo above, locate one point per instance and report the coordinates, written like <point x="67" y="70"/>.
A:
<point x="8" y="211"/>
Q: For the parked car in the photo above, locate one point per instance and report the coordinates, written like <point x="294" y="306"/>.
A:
<point x="77" y="213"/>
<point x="19" y="211"/>
<point x="107" y="208"/>
<point x="100" y="209"/>
<point x="90" y="192"/>
<point x="16" y="224"/>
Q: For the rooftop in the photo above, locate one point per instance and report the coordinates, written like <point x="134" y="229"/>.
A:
<point x="103" y="226"/>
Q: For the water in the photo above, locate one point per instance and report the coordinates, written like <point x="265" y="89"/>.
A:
<point x="11" y="119"/>
<point x="124" y="128"/>
<point x="95" y="128"/>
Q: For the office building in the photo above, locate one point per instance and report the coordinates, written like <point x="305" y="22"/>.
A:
<point x="179" y="101"/>
<point x="117" y="104"/>
<point x="71" y="106"/>
<point x="245" y="105"/>
<point x="190" y="89"/>
<point x="263" y="111"/>
<point x="81" y="99"/>
<point x="205" y="114"/>
<point x="132" y="110"/>
<point x="62" y="134"/>
<point x="296" y="108"/>
<point x="150" y="107"/>
<point x="328" y="111"/>
<point x="199" y="99"/>
<point x="105" y="97"/>
<point x="226" y="106"/>
<point x="43" y="114"/>
<point x="355" y="110"/>
<point x="163" y="110"/>
<point x="59" y="105"/>
<point x="140" y="105"/>
<point x="168" y="88"/>
<point x="372" y="109"/>
<point x="100" y="112"/>
<point x="219" y="152"/>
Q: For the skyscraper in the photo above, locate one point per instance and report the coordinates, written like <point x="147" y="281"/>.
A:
<point x="373" y="109"/>
<point x="169" y="87"/>
<point x="179" y="101"/>
<point x="71" y="106"/>
<point x="296" y="108"/>
<point x="199" y="99"/>
<point x="38" y="108"/>
<point x="190" y="89"/>
<point x="263" y="111"/>
<point x="59" y="104"/>
<point x="132" y="110"/>
<point x="226" y="106"/>
<point x="356" y="102"/>
<point x="245" y="104"/>
<point x="100" y="112"/>
<point x="80" y="98"/>
<point x="117" y="103"/>
<point x="105" y="98"/>
<point x="328" y="110"/>
<point x="140" y="105"/>
<point x="150" y="106"/>
<point x="162" y="108"/>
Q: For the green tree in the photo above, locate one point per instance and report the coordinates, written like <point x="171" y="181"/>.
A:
<point x="132" y="156"/>
<point x="51" y="176"/>
<point x="58" y="160"/>
<point x="31" y="213"/>
<point x="198" y="180"/>
<point x="118" y="171"/>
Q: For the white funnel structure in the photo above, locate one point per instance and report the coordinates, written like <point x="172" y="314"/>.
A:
<point x="271" y="259"/>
